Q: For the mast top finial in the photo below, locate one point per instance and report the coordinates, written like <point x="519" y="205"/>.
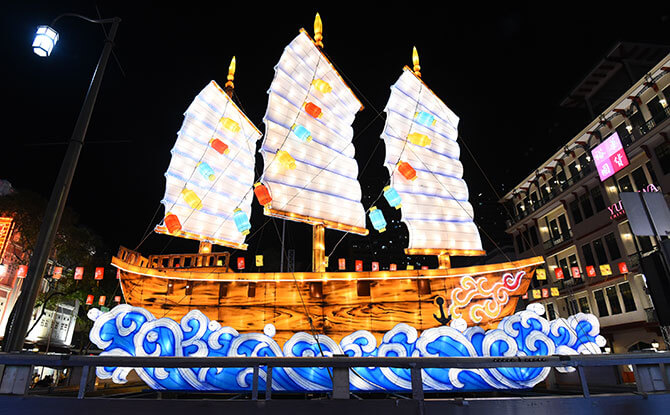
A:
<point x="318" y="31"/>
<point x="415" y="61"/>
<point x="231" y="76"/>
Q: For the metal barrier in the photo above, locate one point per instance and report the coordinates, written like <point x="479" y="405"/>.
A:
<point x="651" y="369"/>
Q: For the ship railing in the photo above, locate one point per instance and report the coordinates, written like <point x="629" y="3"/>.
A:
<point x="213" y="259"/>
<point x="651" y="370"/>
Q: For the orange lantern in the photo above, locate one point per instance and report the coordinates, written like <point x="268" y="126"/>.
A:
<point x="623" y="268"/>
<point x="117" y="299"/>
<point x="58" y="273"/>
<point x="393" y="267"/>
<point x="89" y="299"/>
<point x="262" y="194"/>
<point x="22" y="271"/>
<point x="240" y="262"/>
<point x="406" y="170"/>
<point x="102" y="300"/>
<point x="313" y="110"/>
<point x="79" y="274"/>
<point x="342" y="264"/>
<point x="424" y="266"/>
<point x="590" y="270"/>
<point x="219" y="146"/>
<point x="359" y="265"/>
<point x="99" y="273"/>
<point x="172" y="223"/>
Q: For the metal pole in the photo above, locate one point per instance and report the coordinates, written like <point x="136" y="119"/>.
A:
<point x="283" y="230"/>
<point x="16" y="329"/>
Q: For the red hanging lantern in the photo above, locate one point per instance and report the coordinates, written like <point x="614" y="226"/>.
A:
<point x="117" y="299"/>
<point x="406" y="170"/>
<point x="576" y="273"/>
<point x="313" y="110"/>
<point x="393" y="267"/>
<point x="545" y="293"/>
<point x="89" y="299"/>
<point x="424" y="266"/>
<point x="219" y="146"/>
<point x="79" y="274"/>
<point x="99" y="273"/>
<point x="262" y="194"/>
<point x="559" y="273"/>
<point x="359" y="265"/>
<point x="22" y="271"/>
<point x="375" y="266"/>
<point x="590" y="270"/>
<point x="240" y="262"/>
<point x="58" y="273"/>
<point x="172" y="223"/>
<point x="623" y="268"/>
<point x="342" y="264"/>
<point x="102" y="300"/>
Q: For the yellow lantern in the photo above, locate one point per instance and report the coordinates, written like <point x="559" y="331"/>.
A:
<point x="230" y="125"/>
<point x="286" y="160"/>
<point x="191" y="199"/>
<point x="322" y="86"/>
<point x="419" y="139"/>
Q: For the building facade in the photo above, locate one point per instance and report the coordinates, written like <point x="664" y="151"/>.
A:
<point x="566" y="213"/>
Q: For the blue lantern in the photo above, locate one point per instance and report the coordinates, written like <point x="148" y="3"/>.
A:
<point x="206" y="171"/>
<point x="424" y="118"/>
<point x="241" y="221"/>
<point x="392" y="197"/>
<point x="377" y="219"/>
<point x="302" y="133"/>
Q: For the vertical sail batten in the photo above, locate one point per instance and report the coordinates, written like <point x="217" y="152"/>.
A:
<point x="213" y="158"/>
<point x="422" y="131"/>
<point x="308" y="153"/>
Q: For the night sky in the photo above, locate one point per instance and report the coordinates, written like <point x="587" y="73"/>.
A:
<point x="503" y="70"/>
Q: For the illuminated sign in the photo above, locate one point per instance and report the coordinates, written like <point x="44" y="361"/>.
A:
<point x="576" y="273"/>
<point x="118" y="274"/>
<point x="590" y="270"/>
<point x="609" y="157"/>
<point x="117" y="298"/>
<point x="545" y="293"/>
<point x="240" y="262"/>
<point x="342" y="264"/>
<point x="623" y="268"/>
<point x="617" y="210"/>
<point x="541" y="274"/>
<point x="537" y="294"/>
<point x="58" y="273"/>
<point x="22" y="271"/>
<point x="259" y="260"/>
<point x="605" y="270"/>
<point x="79" y="273"/>
<point x="99" y="273"/>
<point x="375" y="266"/>
<point x="410" y="267"/>
<point x="6" y="225"/>
<point x="424" y="266"/>
<point x="525" y="296"/>
<point x="554" y="292"/>
<point x="89" y="299"/>
<point x="393" y="267"/>
<point x="102" y="300"/>
<point x="559" y="273"/>
<point x="359" y="265"/>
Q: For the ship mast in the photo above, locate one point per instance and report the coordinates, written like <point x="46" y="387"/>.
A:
<point x="318" y="229"/>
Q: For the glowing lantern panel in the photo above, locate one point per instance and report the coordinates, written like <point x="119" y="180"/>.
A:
<point x="58" y="273"/>
<point x="102" y="300"/>
<point x="219" y="146"/>
<point x="393" y="267"/>
<point x="99" y="273"/>
<point x="191" y="199"/>
<point x="322" y="86"/>
<point x="230" y="125"/>
<point x="359" y="265"/>
<point x="262" y="194"/>
<point x="623" y="268"/>
<point x="117" y="299"/>
<point x="45" y="40"/>
<point x="241" y="221"/>
<point x="206" y="171"/>
<point x="406" y="170"/>
<point x="576" y="273"/>
<point x="375" y="266"/>
<point x="419" y="139"/>
<point x="22" y="271"/>
<point x="377" y="219"/>
<point x="240" y="262"/>
<point x="89" y="299"/>
<point x="286" y="160"/>
<point x="313" y="110"/>
<point x="79" y="274"/>
<point x="590" y="270"/>
<point x="392" y="197"/>
<point x="172" y="223"/>
<point x="559" y="273"/>
<point x="302" y="133"/>
<point x="342" y="264"/>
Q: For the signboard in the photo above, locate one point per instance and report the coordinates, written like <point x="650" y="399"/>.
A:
<point x="617" y="210"/>
<point x="555" y="292"/>
<point x="590" y="270"/>
<point x="623" y="268"/>
<point x="410" y="267"/>
<point x="545" y="293"/>
<point x="559" y="273"/>
<point x="79" y="274"/>
<point x="99" y="273"/>
<point x="648" y="213"/>
<point x="424" y="266"/>
<point x="609" y="157"/>
<point x="3" y="270"/>
<point x="89" y="299"/>
<point x="541" y="274"/>
<point x="6" y="225"/>
<point x="359" y="265"/>
<point x="537" y="294"/>
<point x="575" y="272"/>
<point x="605" y="270"/>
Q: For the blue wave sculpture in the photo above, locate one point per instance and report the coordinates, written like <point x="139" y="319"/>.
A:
<point x="134" y="331"/>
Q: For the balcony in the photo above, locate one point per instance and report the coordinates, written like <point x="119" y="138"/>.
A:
<point x="558" y="188"/>
<point x="559" y="239"/>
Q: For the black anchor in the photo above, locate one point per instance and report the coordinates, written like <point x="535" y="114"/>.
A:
<point x="443" y="319"/>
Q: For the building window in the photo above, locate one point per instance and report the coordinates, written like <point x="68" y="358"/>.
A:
<point x="573" y="308"/>
<point x="601" y="303"/>
<point x="613" y="299"/>
<point x="564" y="265"/>
<point x="572" y="168"/>
<point x="576" y="213"/>
<point x="533" y="235"/>
<point x="560" y="177"/>
<point x="600" y="251"/>
<point x="612" y="246"/>
<point x="526" y="238"/>
<point x="663" y="155"/>
<point x="588" y="254"/>
<point x="585" y="202"/>
<point x="624" y="185"/>
<point x="640" y="178"/>
<point x="627" y="297"/>
<point x="584" y="305"/>
<point x="551" y="311"/>
<point x="652" y="173"/>
<point x="598" y="200"/>
<point x="519" y="244"/>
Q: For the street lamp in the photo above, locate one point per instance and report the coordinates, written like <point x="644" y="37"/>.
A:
<point x="43" y="44"/>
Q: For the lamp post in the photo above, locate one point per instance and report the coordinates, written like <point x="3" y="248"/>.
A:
<point x="45" y="40"/>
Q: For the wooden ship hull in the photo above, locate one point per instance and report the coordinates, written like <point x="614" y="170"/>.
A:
<point x="332" y="303"/>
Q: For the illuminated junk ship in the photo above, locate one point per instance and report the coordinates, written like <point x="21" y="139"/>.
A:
<point x="310" y="176"/>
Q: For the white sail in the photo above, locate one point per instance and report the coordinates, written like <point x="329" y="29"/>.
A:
<point x="207" y="118"/>
<point x="323" y="186"/>
<point x="435" y="205"/>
